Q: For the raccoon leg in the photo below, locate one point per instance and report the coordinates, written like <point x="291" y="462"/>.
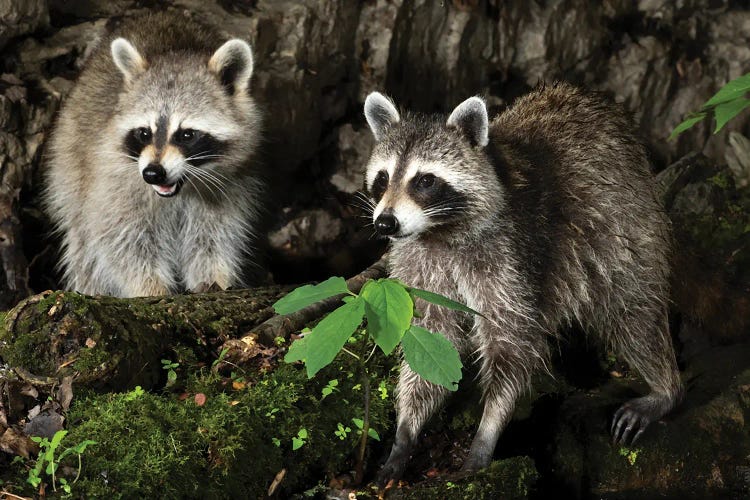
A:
<point x="644" y="342"/>
<point x="212" y="253"/>
<point x="507" y="366"/>
<point x="417" y="400"/>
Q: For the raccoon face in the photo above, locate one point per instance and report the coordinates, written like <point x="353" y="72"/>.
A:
<point x="427" y="175"/>
<point x="184" y="119"/>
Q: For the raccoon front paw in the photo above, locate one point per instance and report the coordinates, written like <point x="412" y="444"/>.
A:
<point x="206" y="287"/>
<point x="392" y="470"/>
<point x="475" y="462"/>
<point x="631" y="420"/>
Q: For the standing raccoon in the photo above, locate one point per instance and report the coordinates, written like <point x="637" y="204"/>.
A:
<point x="545" y="217"/>
<point x="149" y="180"/>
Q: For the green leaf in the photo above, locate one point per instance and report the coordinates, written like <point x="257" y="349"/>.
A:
<point x="302" y="433"/>
<point x="433" y="357"/>
<point x="691" y="120"/>
<point x="57" y="438"/>
<point x="297" y="443"/>
<point x="731" y="91"/>
<point x="441" y="300"/>
<point x="319" y="347"/>
<point x="728" y="110"/>
<point x="373" y="434"/>
<point x="310" y="294"/>
<point x="389" y="310"/>
<point x="297" y="351"/>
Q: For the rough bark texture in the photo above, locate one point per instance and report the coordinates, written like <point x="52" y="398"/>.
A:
<point x="316" y="60"/>
<point x="115" y="344"/>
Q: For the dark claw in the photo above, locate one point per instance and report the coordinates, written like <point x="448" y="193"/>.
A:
<point x="625" y="421"/>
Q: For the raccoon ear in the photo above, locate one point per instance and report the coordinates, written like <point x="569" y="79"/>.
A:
<point x="233" y="63"/>
<point x="380" y="114"/>
<point x="470" y="117"/>
<point x="127" y="59"/>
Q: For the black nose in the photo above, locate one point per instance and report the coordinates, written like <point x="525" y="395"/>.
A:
<point x="155" y="174"/>
<point x="386" y="224"/>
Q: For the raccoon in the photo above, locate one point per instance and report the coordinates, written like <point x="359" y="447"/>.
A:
<point x="149" y="179"/>
<point x="544" y="218"/>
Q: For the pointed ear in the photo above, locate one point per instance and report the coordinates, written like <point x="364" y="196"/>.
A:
<point x="127" y="59"/>
<point x="470" y="117"/>
<point x="233" y="64"/>
<point x="380" y="114"/>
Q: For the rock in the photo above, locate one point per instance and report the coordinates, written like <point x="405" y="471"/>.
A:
<point x="700" y="451"/>
<point x="19" y="17"/>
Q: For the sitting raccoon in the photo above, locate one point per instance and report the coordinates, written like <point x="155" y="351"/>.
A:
<point x="545" y="217"/>
<point x="149" y="179"/>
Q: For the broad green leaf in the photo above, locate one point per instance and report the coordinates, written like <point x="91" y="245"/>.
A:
<point x="319" y="347"/>
<point x="432" y="356"/>
<point x="297" y="351"/>
<point x="389" y="310"/>
<point x="731" y="91"/>
<point x="297" y="443"/>
<point x="441" y="300"/>
<point x="728" y="110"/>
<point x="310" y="294"/>
<point x="692" y="119"/>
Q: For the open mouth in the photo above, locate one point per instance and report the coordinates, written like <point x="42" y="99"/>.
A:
<point x="168" y="190"/>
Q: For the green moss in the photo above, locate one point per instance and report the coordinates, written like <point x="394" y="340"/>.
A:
<point x="508" y="479"/>
<point x="156" y="445"/>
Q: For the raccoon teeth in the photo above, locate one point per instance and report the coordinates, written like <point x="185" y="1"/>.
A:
<point x="166" y="189"/>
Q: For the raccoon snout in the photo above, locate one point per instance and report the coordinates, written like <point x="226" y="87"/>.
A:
<point x="386" y="224"/>
<point x="154" y="174"/>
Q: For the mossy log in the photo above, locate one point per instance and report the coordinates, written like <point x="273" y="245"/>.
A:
<point x="113" y="343"/>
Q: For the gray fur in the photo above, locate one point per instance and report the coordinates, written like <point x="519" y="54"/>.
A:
<point x="118" y="236"/>
<point x="557" y="222"/>
<point x="380" y="114"/>
<point x="471" y="118"/>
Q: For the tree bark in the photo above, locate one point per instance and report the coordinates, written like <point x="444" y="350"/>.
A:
<point x="113" y="343"/>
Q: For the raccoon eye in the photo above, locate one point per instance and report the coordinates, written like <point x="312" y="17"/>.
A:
<point x="379" y="185"/>
<point x="186" y="136"/>
<point x="426" y="181"/>
<point x="143" y="134"/>
<point x="381" y="180"/>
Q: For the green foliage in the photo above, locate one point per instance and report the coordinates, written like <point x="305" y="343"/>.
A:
<point x="320" y="346"/>
<point x="299" y="440"/>
<point x="158" y="445"/>
<point x="432" y="356"/>
<point x="389" y="310"/>
<point x="330" y="388"/>
<point x="631" y="455"/>
<point x="310" y="294"/>
<point x="170" y="367"/>
<point x="47" y="462"/>
<point x="727" y="103"/>
<point x="360" y="423"/>
<point x="388" y="306"/>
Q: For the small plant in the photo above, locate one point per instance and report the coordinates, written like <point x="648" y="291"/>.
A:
<point x="328" y="389"/>
<point x="135" y="393"/>
<point x="342" y="431"/>
<point x="727" y="103"/>
<point x="47" y="463"/>
<point x="170" y="366"/>
<point x="299" y="440"/>
<point x="630" y="455"/>
<point x="388" y="307"/>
